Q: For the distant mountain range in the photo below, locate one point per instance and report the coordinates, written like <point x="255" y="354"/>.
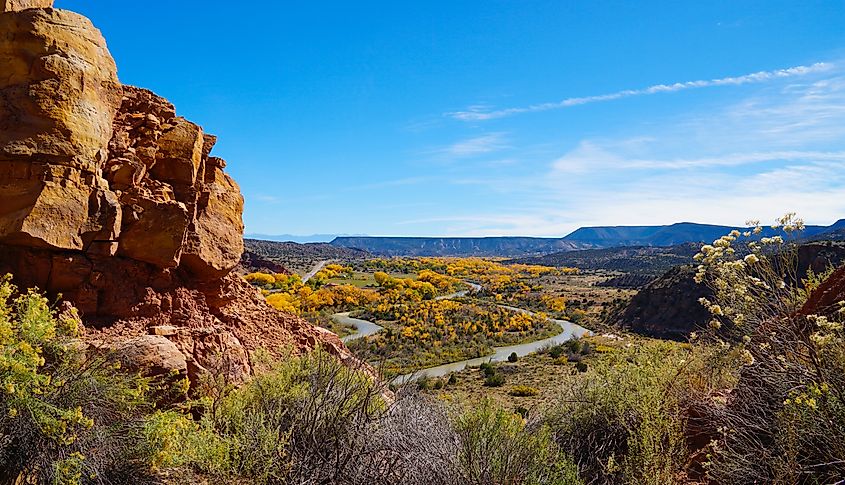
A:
<point x="584" y="238"/>
<point x="302" y="239"/>
<point x="457" y="246"/>
<point x="682" y="232"/>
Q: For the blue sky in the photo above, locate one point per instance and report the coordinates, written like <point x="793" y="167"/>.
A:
<point x="468" y="118"/>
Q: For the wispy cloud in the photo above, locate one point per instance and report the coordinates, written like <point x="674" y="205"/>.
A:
<point x="402" y="182"/>
<point x="480" y="145"/>
<point x="778" y="150"/>
<point x="591" y="156"/>
<point x="480" y="113"/>
<point x="270" y="199"/>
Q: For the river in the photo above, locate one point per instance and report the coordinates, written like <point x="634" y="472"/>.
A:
<point x="366" y="328"/>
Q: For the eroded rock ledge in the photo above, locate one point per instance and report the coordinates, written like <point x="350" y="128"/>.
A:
<point x="111" y="199"/>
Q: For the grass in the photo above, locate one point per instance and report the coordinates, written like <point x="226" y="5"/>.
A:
<point x="539" y="372"/>
<point x="365" y="280"/>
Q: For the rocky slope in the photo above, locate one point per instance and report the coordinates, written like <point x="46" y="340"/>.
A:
<point x="296" y="257"/>
<point x="110" y="199"/>
<point x="668" y="306"/>
<point x="636" y="260"/>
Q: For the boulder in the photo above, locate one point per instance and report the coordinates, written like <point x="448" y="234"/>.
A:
<point x="154" y="228"/>
<point x="215" y="241"/>
<point x="153" y="355"/>
<point x="58" y="96"/>
<point x="179" y="154"/>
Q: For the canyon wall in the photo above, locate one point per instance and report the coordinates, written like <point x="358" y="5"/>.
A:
<point x="111" y="200"/>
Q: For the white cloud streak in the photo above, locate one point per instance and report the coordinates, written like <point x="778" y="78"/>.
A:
<point x="479" y="145"/>
<point x="479" y="114"/>
<point x="590" y="157"/>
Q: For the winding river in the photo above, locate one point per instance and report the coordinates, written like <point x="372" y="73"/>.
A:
<point x="365" y="328"/>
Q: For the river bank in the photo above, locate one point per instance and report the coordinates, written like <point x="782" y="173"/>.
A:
<point x="366" y="328"/>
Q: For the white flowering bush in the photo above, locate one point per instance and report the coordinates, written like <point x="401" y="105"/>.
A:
<point x="785" y="421"/>
<point x="753" y="278"/>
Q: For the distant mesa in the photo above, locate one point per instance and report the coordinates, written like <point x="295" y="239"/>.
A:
<point x="302" y="239"/>
<point x="455" y="246"/>
<point x="584" y="238"/>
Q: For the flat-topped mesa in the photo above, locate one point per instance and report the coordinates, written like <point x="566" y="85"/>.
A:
<point x="18" y="5"/>
<point x="111" y="199"/>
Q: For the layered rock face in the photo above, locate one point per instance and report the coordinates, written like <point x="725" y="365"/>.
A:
<point x="110" y="199"/>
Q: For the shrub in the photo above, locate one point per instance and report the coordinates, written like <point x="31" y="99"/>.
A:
<point x="575" y="346"/>
<point x="622" y="421"/>
<point x="603" y="349"/>
<point x="785" y="418"/>
<point x="523" y="391"/>
<point x="65" y="416"/>
<point x="556" y="351"/>
<point x="497" y="447"/>
<point x="413" y="443"/>
<point x="513" y="357"/>
<point x="487" y="368"/>
<point x="453" y="379"/>
<point x="304" y="418"/>
<point x="494" y="380"/>
<point x="424" y="383"/>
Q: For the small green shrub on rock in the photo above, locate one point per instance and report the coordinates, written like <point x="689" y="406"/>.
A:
<point x="494" y="380"/>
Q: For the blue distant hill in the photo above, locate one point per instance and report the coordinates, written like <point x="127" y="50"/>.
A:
<point x="584" y="238"/>
<point x="679" y="233"/>
<point x="302" y="239"/>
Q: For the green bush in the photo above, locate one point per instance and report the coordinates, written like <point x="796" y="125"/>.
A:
<point x="513" y="357"/>
<point x="497" y="447"/>
<point x="622" y="420"/>
<point x="424" y="383"/>
<point x="65" y="416"/>
<point x="494" y="380"/>
<point x="300" y="418"/>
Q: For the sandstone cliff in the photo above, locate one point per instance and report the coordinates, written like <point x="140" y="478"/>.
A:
<point x="110" y="199"/>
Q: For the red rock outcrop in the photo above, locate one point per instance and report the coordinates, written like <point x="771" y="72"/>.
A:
<point x="826" y="299"/>
<point x="110" y="199"/>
